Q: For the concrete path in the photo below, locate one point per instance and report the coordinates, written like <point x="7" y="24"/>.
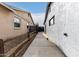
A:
<point x="41" y="47"/>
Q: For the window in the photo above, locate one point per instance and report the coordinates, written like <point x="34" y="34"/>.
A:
<point x="17" y="22"/>
<point x="52" y="21"/>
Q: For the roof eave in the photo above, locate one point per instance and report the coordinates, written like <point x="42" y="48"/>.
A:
<point x="31" y="18"/>
<point x="3" y="4"/>
<point x="47" y="9"/>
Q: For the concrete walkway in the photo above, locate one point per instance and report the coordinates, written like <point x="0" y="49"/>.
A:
<point x="41" y="47"/>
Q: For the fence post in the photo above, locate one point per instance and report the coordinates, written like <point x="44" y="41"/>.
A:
<point x="1" y="48"/>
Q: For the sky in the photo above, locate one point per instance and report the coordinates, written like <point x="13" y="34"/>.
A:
<point x="37" y="9"/>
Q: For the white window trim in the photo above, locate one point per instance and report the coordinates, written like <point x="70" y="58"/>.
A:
<point x="52" y="21"/>
<point x="16" y="28"/>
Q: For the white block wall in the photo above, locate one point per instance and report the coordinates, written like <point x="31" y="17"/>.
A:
<point x="66" y="21"/>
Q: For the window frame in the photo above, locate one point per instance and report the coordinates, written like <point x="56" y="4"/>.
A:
<point x="53" y="18"/>
<point x="16" y="28"/>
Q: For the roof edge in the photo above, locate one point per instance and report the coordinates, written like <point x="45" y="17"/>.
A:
<point x="3" y="4"/>
<point x="13" y="10"/>
<point x="32" y="18"/>
<point x="47" y="10"/>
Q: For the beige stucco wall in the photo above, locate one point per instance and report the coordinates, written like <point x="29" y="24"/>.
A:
<point x="7" y="26"/>
<point x="25" y="16"/>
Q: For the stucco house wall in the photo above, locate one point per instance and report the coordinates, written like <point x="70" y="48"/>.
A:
<point x="26" y="15"/>
<point x="7" y="29"/>
<point x="66" y="21"/>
